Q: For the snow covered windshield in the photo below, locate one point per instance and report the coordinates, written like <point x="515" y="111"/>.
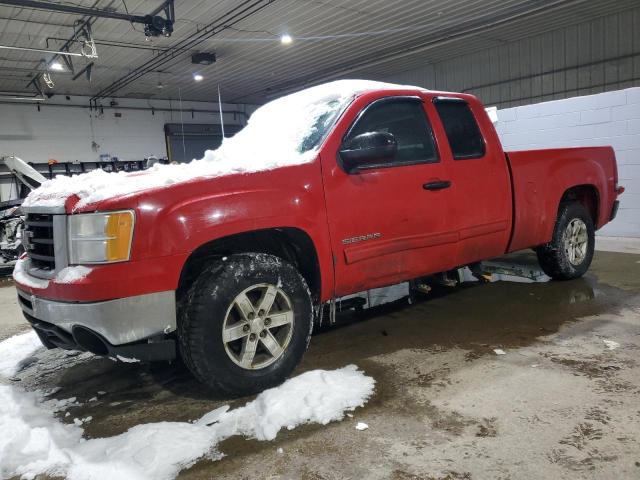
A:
<point x="287" y="131"/>
<point x="321" y="126"/>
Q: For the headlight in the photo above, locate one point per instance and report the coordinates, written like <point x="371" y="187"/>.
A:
<point x="100" y="237"/>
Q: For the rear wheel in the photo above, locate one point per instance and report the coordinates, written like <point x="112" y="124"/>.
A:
<point x="245" y="323"/>
<point x="570" y="251"/>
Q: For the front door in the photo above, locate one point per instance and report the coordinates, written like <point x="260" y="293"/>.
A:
<point x="389" y="222"/>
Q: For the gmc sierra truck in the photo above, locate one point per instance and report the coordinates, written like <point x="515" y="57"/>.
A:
<point x="227" y="261"/>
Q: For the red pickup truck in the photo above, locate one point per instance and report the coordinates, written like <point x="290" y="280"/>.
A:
<point x="228" y="261"/>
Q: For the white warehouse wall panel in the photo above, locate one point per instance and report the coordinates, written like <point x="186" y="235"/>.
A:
<point x="66" y="132"/>
<point x="591" y="57"/>
<point x="611" y="118"/>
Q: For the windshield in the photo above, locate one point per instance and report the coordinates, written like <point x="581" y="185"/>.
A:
<point x="321" y="126"/>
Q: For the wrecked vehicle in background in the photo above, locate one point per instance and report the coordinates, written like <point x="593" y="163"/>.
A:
<point x="341" y="188"/>
<point x="11" y="218"/>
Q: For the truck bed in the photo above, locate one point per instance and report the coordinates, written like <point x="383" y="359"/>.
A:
<point x="540" y="179"/>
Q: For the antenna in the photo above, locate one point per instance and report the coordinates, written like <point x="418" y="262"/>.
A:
<point x="220" y="108"/>
<point x="184" y="148"/>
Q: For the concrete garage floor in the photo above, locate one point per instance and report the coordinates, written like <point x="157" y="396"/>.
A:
<point x="559" y="404"/>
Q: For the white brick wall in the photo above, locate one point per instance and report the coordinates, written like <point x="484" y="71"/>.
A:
<point x="611" y="118"/>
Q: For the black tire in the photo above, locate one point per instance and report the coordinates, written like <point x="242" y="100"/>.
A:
<point x="210" y="300"/>
<point x="555" y="260"/>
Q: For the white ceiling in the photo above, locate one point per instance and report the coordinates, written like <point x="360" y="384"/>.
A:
<point x="332" y="38"/>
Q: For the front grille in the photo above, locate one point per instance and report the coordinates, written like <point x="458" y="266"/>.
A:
<point x="38" y="240"/>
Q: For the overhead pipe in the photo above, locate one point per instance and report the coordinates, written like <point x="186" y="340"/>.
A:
<point x="113" y="43"/>
<point x="43" y="22"/>
<point x="28" y="99"/>
<point x="36" y="69"/>
<point x="85" y="11"/>
<point x="240" y="113"/>
<point x="41" y="50"/>
<point x="19" y="96"/>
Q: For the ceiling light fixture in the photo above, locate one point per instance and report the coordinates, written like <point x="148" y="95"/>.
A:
<point x="197" y="77"/>
<point x="57" y="66"/>
<point x="286" y="39"/>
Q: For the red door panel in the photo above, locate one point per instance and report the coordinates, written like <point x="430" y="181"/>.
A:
<point x="385" y="226"/>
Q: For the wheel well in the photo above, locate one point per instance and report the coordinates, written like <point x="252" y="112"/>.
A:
<point x="290" y="244"/>
<point x="587" y="195"/>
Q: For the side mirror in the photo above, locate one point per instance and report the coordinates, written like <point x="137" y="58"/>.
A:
<point x="368" y="150"/>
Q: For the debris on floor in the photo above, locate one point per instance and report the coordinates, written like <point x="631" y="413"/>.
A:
<point x="127" y="359"/>
<point x="499" y="351"/>
<point x="611" y="345"/>
<point x="80" y="421"/>
<point x="361" y="426"/>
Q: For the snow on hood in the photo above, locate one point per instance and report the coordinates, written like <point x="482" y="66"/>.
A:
<point x="284" y="132"/>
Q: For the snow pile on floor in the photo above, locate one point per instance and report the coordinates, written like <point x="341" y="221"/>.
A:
<point x="273" y="138"/>
<point x="34" y="442"/>
<point x="318" y="396"/>
<point x="14" y="351"/>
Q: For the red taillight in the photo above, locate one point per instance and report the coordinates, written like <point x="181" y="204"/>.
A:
<point x="620" y="190"/>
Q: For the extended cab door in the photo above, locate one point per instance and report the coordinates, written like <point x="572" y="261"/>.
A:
<point x="389" y="220"/>
<point x="482" y="204"/>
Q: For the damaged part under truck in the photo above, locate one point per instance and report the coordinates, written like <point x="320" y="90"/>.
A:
<point x="334" y="190"/>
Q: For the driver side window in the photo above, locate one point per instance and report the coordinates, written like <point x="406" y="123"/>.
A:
<point x="406" y="120"/>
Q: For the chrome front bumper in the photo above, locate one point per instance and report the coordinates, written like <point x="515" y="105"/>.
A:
<point x="119" y="322"/>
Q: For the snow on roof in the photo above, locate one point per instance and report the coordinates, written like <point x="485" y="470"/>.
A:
<point x="278" y="134"/>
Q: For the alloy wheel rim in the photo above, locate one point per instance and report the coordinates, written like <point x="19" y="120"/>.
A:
<point x="258" y="326"/>
<point x="576" y="241"/>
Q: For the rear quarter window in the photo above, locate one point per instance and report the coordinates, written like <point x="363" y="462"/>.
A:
<point x="461" y="128"/>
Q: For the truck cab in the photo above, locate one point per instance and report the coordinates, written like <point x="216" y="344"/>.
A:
<point x="441" y="198"/>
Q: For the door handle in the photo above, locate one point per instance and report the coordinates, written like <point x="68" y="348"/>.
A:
<point x="437" y="185"/>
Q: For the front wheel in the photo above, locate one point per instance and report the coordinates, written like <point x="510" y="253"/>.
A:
<point x="570" y="251"/>
<point x="245" y="323"/>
